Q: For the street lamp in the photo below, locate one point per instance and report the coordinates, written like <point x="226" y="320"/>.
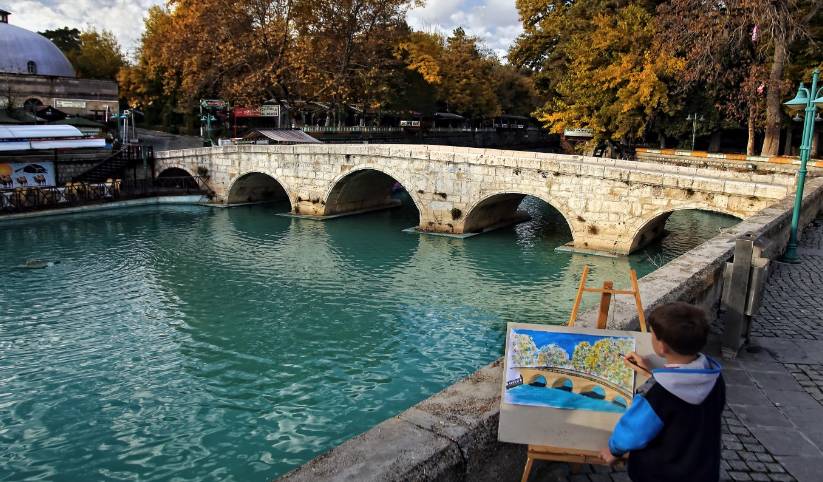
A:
<point x="808" y="100"/>
<point x="207" y="119"/>
<point x="694" y="119"/>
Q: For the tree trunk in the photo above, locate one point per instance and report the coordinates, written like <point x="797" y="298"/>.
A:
<point x="714" y="143"/>
<point x="774" y="99"/>
<point x="750" y="143"/>
<point x="787" y="145"/>
<point x="815" y="144"/>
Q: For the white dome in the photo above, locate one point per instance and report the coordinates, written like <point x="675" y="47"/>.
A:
<point x="19" y="46"/>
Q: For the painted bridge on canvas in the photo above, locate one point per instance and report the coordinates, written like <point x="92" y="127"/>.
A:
<point x="609" y="205"/>
<point x="576" y="382"/>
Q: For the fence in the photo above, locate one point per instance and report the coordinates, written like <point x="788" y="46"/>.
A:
<point x="80" y="193"/>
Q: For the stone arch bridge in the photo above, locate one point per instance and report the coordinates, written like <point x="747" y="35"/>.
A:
<point x="574" y="382"/>
<point x="609" y="205"/>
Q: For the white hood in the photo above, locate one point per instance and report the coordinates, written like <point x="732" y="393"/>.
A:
<point x="691" y="382"/>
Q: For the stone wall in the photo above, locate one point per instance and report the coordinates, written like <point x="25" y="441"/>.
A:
<point x="97" y="94"/>
<point x="450" y="184"/>
<point x="452" y="436"/>
<point x="498" y="139"/>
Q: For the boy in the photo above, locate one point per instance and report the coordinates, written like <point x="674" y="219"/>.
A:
<point x="672" y="429"/>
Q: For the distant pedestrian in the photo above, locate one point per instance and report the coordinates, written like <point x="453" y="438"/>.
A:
<point x="671" y="432"/>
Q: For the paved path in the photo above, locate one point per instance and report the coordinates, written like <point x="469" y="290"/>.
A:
<point x="773" y="424"/>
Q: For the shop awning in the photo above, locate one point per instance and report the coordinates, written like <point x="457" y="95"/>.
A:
<point x="34" y="137"/>
<point x="282" y="136"/>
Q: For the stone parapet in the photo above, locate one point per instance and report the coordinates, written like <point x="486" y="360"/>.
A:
<point x="423" y="443"/>
<point x="610" y="205"/>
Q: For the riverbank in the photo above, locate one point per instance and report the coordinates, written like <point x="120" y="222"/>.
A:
<point x="104" y="206"/>
<point x="453" y="435"/>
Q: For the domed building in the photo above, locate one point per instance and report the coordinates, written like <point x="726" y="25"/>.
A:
<point x="35" y="74"/>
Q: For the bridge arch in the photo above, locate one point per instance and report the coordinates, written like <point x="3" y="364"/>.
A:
<point x="255" y="187"/>
<point x="538" y="381"/>
<point x="174" y="171"/>
<point x="593" y="391"/>
<point x="563" y="383"/>
<point x="364" y="188"/>
<point x="500" y="207"/>
<point x="176" y="177"/>
<point x="652" y="227"/>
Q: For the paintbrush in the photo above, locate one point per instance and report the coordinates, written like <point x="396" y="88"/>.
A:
<point x="634" y="364"/>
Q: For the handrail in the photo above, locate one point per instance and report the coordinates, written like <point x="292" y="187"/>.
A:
<point x="81" y="193"/>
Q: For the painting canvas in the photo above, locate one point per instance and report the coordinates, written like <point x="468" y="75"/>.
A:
<point x="567" y="370"/>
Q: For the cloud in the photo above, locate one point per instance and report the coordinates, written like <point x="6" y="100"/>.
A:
<point x="123" y="17"/>
<point x="496" y="22"/>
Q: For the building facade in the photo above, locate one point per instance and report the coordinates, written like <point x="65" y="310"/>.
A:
<point x="34" y="73"/>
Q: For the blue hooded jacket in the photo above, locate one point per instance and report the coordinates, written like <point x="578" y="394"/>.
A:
<point x="672" y="429"/>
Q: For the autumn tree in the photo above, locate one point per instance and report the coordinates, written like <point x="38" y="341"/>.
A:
<point x="152" y="83"/>
<point x="467" y="79"/>
<point x="740" y="49"/>
<point x="599" y="64"/>
<point x="99" y="56"/>
<point x="93" y="54"/>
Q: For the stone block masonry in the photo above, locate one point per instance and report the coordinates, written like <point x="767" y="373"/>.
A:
<point x="610" y="205"/>
<point x="771" y="432"/>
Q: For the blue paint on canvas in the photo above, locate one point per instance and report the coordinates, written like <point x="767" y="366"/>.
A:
<point x="551" y="397"/>
<point x="568" y="370"/>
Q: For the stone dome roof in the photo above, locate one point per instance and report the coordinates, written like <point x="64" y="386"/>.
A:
<point x="20" y="46"/>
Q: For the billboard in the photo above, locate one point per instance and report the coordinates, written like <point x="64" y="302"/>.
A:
<point x="262" y="111"/>
<point x="26" y="174"/>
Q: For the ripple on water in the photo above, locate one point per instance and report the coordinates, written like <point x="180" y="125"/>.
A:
<point x="194" y="344"/>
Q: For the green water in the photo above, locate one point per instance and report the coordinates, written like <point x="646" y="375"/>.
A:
<point x="189" y="343"/>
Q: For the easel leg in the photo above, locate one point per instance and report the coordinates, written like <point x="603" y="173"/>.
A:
<point x="640" y="315"/>
<point x="605" y="302"/>
<point x="527" y="470"/>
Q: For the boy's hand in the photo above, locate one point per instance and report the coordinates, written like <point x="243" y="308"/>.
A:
<point x="636" y="362"/>
<point x="607" y="456"/>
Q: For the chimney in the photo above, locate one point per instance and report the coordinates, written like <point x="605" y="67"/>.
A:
<point x="4" y="16"/>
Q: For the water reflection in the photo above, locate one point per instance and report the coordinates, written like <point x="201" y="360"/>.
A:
<point x="233" y="344"/>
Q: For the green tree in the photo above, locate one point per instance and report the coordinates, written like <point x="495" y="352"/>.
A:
<point x="99" y="55"/>
<point x="66" y="39"/>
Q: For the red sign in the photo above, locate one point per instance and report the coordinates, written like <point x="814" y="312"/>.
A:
<point x="246" y="112"/>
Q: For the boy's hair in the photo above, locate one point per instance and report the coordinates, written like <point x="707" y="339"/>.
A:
<point x="681" y="326"/>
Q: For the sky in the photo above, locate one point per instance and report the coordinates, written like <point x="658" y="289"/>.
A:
<point x="494" y="21"/>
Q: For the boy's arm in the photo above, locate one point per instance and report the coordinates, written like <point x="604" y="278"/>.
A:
<point x="636" y="428"/>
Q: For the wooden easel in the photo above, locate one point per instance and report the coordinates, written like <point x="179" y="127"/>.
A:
<point x="577" y="457"/>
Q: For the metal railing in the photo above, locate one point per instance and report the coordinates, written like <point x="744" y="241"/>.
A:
<point x="82" y="193"/>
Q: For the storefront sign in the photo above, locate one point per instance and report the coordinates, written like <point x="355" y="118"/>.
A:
<point x="247" y="112"/>
<point x="26" y="174"/>
<point x="70" y="103"/>
<point x="213" y="103"/>
<point x="579" y="132"/>
<point x="262" y="111"/>
<point x="269" y="111"/>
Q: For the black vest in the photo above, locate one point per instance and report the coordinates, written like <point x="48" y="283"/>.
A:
<point x="687" y="449"/>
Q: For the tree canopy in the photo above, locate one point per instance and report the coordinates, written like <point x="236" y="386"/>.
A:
<point x="93" y="54"/>
<point x="629" y="68"/>
<point x="342" y="53"/>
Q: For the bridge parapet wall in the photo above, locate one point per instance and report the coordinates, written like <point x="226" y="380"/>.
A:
<point x="609" y="205"/>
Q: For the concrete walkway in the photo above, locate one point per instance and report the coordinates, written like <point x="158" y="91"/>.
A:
<point x="773" y="423"/>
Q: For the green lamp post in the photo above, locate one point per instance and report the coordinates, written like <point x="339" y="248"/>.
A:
<point x="808" y="100"/>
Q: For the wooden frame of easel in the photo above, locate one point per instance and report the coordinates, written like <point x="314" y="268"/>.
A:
<point x="576" y="457"/>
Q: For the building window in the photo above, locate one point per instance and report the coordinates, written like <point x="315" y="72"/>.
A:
<point x="32" y="67"/>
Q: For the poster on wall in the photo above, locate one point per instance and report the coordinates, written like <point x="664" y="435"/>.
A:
<point x="26" y="174"/>
<point x="566" y="386"/>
